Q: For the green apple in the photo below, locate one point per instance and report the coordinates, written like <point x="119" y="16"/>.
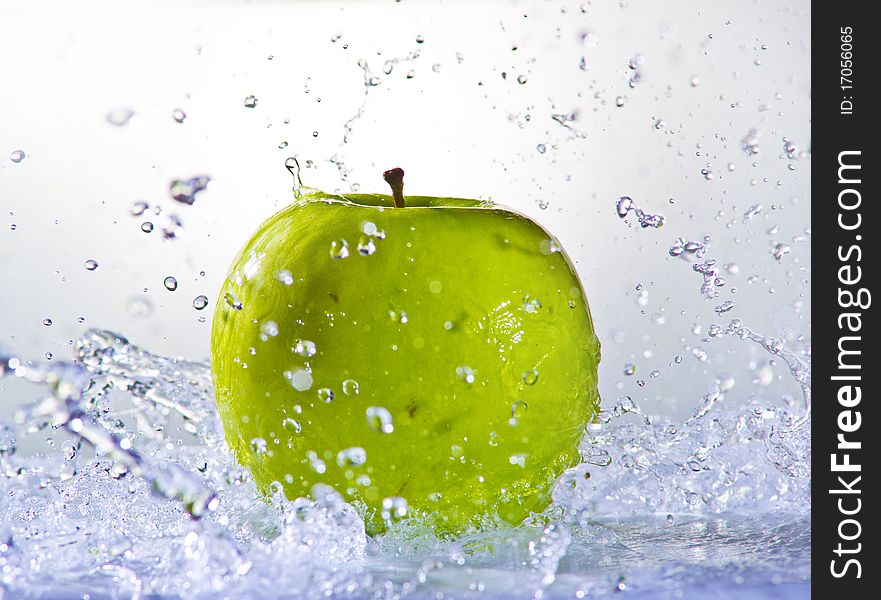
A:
<point x="434" y="356"/>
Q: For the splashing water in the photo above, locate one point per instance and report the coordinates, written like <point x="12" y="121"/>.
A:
<point x="145" y="499"/>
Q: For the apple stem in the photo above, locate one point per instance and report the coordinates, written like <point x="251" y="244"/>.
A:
<point x="395" y="179"/>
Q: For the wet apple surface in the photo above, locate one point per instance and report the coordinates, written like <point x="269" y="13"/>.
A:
<point x="436" y="360"/>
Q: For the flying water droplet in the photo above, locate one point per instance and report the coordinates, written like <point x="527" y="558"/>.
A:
<point x="200" y="302"/>
<point x="91" y="265"/>
<point x="185" y="190"/>
<point x="120" y="117"/>
<point x="17" y="156"/>
<point x="250" y="101"/>
<point x="170" y="283"/>
<point x="625" y="205"/>
<point x="780" y="250"/>
<point x="179" y="115"/>
<point x="47" y="322"/>
<point x="147" y="227"/>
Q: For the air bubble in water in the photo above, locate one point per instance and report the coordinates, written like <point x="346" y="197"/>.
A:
<point x="200" y="302"/>
<point x="339" y="249"/>
<point x="379" y="419"/>
<point x="170" y="283"/>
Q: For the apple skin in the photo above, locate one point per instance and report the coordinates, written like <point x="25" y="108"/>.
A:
<point x="467" y="326"/>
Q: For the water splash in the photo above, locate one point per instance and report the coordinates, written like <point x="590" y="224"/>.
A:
<point x="160" y="507"/>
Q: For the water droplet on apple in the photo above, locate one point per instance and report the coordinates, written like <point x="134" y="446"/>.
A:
<point x="369" y="228"/>
<point x="379" y="419"/>
<point x="170" y="283"/>
<point x="518" y="409"/>
<point x="549" y="247"/>
<point x="301" y="379"/>
<point x="233" y="301"/>
<point x="326" y="395"/>
<point x="366" y="247"/>
<point x="518" y="459"/>
<point x="530" y="304"/>
<point x="285" y="277"/>
<point x="398" y="316"/>
<point x="305" y="348"/>
<point x="465" y="373"/>
<point x="530" y="377"/>
<point x="351" y="457"/>
<point x="351" y="388"/>
<point x="200" y="302"/>
<point x="339" y="249"/>
<point x="292" y="425"/>
<point x="268" y="329"/>
<point x="258" y="445"/>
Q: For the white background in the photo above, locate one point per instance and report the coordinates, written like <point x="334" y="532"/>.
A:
<point x="458" y="128"/>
